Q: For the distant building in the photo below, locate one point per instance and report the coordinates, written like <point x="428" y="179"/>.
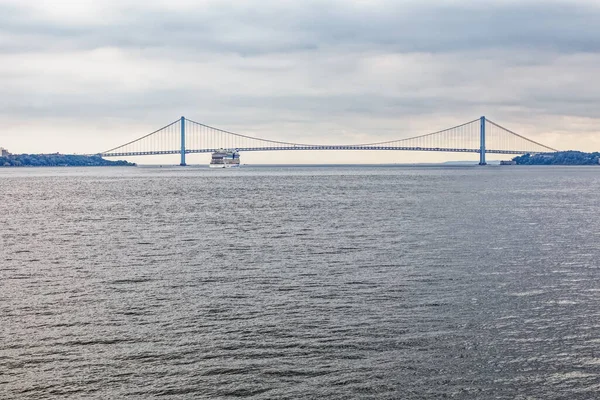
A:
<point x="4" y="152"/>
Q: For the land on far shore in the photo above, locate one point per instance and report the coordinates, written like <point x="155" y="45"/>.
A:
<point x="559" y="158"/>
<point x="58" y="160"/>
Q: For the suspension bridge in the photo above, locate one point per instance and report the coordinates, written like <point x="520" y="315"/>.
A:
<point x="185" y="136"/>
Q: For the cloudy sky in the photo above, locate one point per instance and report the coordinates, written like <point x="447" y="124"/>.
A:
<point x="83" y="76"/>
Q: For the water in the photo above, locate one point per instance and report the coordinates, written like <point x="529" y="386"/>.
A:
<point x="300" y="283"/>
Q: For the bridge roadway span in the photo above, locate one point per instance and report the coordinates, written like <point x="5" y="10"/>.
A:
<point x="333" y="147"/>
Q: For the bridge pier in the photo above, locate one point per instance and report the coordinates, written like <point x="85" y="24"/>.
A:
<point x="482" y="142"/>
<point x="183" y="164"/>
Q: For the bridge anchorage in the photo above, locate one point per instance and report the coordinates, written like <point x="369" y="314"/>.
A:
<point x="185" y="136"/>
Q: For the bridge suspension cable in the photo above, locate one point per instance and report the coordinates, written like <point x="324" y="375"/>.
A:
<point x="205" y="136"/>
<point x="498" y="137"/>
<point x="455" y="137"/>
<point x="164" y="140"/>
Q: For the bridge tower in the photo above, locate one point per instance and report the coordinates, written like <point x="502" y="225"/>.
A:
<point x="183" y="164"/>
<point x="482" y="142"/>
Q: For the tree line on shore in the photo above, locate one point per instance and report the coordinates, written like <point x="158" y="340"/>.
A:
<point x="559" y="158"/>
<point x="57" y="160"/>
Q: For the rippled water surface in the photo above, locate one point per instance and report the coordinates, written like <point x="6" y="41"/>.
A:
<point x="300" y="283"/>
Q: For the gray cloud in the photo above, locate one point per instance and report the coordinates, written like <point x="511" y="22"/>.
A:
<point x="362" y="65"/>
<point x="252" y="28"/>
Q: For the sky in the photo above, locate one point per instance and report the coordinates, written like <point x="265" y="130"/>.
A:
<point x="85" y="76"/>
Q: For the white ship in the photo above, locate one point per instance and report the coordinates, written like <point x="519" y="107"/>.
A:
<point x="225" y="159"/>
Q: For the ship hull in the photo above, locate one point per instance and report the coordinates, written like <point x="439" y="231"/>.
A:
<point x="224" y="165"/>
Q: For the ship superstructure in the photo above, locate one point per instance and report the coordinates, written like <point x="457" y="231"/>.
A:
<point x="223" y="158"/>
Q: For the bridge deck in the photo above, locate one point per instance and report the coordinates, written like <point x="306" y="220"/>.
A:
<point x="288" y="148"/>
